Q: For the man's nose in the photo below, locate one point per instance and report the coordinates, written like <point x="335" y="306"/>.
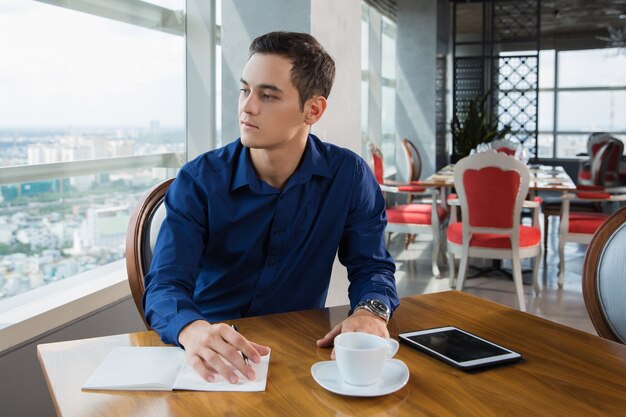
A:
<point x="249" y="104"/>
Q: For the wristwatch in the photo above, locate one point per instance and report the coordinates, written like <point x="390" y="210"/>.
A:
<point x="376" y="307"/>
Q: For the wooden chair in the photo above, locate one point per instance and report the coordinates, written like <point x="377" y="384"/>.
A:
<point x="143" y="229"/>
<point x="604" y="278"/>
<point x="492" y="187"/>
<point x="414" y="160"/>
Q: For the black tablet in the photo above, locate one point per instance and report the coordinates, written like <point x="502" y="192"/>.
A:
<point x="459" y="348"/>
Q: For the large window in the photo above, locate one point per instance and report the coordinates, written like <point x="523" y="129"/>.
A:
<point x="93" y="114"/>
<point x="388" y="82"/>
<point x="378" y="84"/>
<point x="581" y="92"/>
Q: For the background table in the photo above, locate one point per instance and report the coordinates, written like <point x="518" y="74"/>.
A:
<point x="542" y="178"/>
<point x="566" y="373"/>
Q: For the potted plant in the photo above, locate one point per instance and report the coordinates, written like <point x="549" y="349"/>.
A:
<point x="476" y="128"/>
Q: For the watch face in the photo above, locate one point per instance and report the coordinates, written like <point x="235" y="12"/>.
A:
<point x="376" y="307"/>
<point x="379" y="306"/>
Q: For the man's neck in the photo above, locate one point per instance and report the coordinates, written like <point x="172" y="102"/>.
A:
<point x="275" y="166"/>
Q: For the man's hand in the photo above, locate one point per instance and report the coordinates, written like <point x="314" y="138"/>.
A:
<point x="210" y="347"/>
<point x="360" y="321"/>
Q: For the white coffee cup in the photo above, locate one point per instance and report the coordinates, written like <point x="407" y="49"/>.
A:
<point x="361" y="356"/>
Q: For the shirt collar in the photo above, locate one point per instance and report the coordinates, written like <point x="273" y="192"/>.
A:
<point x="313" y="163"/>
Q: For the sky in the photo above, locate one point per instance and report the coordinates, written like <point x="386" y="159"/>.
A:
<point x="61" y="67"/>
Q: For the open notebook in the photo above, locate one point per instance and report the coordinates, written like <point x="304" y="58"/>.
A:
<point x="164" y="369"/>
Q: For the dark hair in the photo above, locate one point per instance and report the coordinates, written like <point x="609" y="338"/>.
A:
<point x="313" y="70"/>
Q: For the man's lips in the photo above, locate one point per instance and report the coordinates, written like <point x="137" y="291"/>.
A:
<point x="249" y="125"/>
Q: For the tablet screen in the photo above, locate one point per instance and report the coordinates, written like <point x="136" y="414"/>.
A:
<point x="458" y="346"/>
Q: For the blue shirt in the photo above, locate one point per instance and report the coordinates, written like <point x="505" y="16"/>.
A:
<point x="233" y="246"/>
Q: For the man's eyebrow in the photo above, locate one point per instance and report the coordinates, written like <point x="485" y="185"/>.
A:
<point x="263" y="86"/>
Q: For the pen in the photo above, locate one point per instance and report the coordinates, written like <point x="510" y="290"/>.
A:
<point x="245" y="358"/>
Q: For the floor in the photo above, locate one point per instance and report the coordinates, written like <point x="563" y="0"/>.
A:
<point x="564" y="306"/>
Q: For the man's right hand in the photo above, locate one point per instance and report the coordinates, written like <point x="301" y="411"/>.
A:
<point x="211" y="347"/>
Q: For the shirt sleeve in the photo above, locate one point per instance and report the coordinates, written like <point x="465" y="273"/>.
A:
<point x="362" y="249"/>
<point x="170" y="283"/>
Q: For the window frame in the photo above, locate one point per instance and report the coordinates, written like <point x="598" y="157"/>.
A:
<point x="555" y="132"/>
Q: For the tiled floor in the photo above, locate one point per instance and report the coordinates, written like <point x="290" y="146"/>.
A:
<point x="565" y="306"/>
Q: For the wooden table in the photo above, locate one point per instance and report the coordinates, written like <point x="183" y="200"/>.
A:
<point x="542" y="178"/>
<point x="566" y="373"/>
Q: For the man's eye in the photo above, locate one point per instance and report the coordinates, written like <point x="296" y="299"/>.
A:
<point x="244" y="91"/>
<point x="267" y="97"/>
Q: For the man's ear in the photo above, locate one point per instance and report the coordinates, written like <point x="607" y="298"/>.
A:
<point x="314" y="109"/>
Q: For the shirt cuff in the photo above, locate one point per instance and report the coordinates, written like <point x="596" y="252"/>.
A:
<point x="380" y="297"/>
<point x="176" y="325"/>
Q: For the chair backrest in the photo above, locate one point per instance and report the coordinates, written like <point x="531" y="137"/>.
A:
<point x="506" y="146"/>
<point x="506" y="150"/>
<point x="601" y="162"/>
<point x="604" y="278"/>
<point x="414" y="160"/>
<point x="378" y="162"/>
<point x="595" y="143"/>
<point x="491" y="187"/>
<point x="615" y="156"/>
<point x="143" y="229"/>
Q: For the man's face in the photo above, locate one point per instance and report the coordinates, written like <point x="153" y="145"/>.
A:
<point x="269" y="104"/>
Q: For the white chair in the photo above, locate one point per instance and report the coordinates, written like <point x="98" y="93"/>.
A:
<point x="491" y="188"/>
<point x="578" y="226"/>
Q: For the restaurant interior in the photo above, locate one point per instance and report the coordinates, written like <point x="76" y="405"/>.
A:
<point x="107" y="99"/>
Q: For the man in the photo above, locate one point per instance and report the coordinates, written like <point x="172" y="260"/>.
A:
<point x="253" y="228"/>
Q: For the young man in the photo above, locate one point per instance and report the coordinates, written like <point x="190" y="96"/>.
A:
<point x="253" y="228"/>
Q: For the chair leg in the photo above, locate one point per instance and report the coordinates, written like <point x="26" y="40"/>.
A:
<point x="536" y="273"/>
<point x="451" y="268"/>
<point x="462" y="271"/>
<point x="388" y="239"/>
<point x="435" y="257"/>
<point x="546" y="224"/>
<point x="561" y="262"/>
<point x="517" y="279"/>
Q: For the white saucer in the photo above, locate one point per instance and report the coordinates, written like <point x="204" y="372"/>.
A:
<point x="395" y="375"/>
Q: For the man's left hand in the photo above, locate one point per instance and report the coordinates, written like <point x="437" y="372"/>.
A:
<point x="360" y="321"/>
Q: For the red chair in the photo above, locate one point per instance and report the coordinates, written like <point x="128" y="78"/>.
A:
<point x="491" y="187"/>
<point x="579" y="227"/>
<point x="412" y="218"/>
<point x="506" y="151"/>
<point x="610" y="174"/>
<point x="598" y="179"/>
